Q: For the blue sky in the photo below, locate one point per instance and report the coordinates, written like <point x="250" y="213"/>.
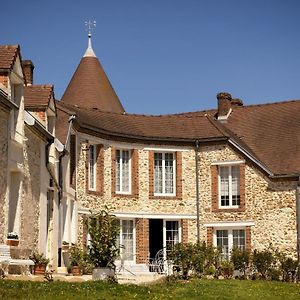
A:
<point x="165" y="56"/>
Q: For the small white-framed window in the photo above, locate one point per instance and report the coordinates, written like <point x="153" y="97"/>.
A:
<point x="164" y="173"/>
<point x="92" y="167"/>
<point x="227" y="239"/>
<point x="127" y="240"/>
<point x="123" y="171"/>
<point x="229" y="186"/>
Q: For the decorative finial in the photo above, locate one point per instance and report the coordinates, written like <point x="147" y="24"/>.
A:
<point x="89" y="26"/>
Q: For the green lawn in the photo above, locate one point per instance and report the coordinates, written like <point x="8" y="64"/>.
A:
<point x="195" y="289"/>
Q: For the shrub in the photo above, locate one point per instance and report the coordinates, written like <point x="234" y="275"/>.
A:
<point x="288" y="267"/>
<point x="104" y="231"/>
<point x="262" y="261"/>
<point x="39" y="259"/>
<point x="199" y="259"/>
<point x="240" y="259"/>
<point x="226" y="269"/>
<point x="182" y="257"/>
<point x="76" y="256"/>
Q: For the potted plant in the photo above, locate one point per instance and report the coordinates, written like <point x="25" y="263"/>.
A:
<point x="76" y="260"/>
<point x="65" y="246"/>
<point x="12" y="239"/>
<point x="40" y="263"/>
<point x="104" y="230"/>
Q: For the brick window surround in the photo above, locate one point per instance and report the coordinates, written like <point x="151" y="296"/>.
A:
<point x="134" y="174"/>
<point x="142" y="240"/>
<point x="210" y="232"/>
<point x="99" y="171"/>
<point x="215" y="189"/>
<point x="184" y="230"/>
<point x="178" y="159"/>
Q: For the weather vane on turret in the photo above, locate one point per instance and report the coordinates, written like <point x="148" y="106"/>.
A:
<point x="89" y="26"/>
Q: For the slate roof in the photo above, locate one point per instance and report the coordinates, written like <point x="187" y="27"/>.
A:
<point x="8" y="54"/>
<point x="37" y="96"/>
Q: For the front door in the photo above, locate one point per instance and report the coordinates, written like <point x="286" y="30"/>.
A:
<point x="155" y="236"/>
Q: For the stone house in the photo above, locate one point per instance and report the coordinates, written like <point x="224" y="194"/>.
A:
<point x="227" y="176"/>
<point x="29" y="179"/>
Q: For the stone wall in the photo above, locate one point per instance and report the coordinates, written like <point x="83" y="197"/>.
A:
<point x="269" y="204"/>
<point x="31" y="191"/>
<point x="4" y="122"/>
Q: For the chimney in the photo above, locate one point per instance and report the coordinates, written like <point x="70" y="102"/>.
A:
<point x="224" y="105"/>
<point x="28" y="71"/>
<point x="236" y="102"/>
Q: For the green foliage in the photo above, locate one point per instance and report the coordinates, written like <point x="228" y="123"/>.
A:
<point x="104" y="230"/>
<point x="39" y="259"/>
<point x="76" y="256"/>
<point x="195" y="258"/>
<point x="182" y="257"/>
<point x="12" y="236"/>
<point x="263" y="261"/>
<point x="226" y="269"/>
<point x="240" y="259"/>
<point x="288" y="267"/>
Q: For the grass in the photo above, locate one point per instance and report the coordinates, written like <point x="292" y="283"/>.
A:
<point x="194" y="289"/>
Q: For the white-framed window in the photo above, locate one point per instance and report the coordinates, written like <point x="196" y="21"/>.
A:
<point x="164" y="173"/>
<point x="229" y="186"/>
<point x="92" y="167"/>
<point x="123" y="171"/>
<point x="171" y="234"/>
<point x="227" y="239"/>
<point x="127" y="239"/>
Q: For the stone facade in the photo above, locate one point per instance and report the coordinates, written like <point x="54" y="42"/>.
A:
<point x="267" y="203"/>
<point x="31" y="191"/>
<point x="4" y="122"/>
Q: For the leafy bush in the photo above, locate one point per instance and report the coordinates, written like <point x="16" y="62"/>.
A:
<point x="39" y="259"/>
<point x="240" y="259"/>
<point x="198" y="258"/>
<point x="263" y="261"/>
<point x="226" y="269"/>
<point x="288" y="267"/>
<point x="104" y="231"/>
<point x="76" y="256"/>
<point x="182" y="257"/>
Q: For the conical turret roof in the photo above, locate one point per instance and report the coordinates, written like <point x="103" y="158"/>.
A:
<point x="90" y="87"/>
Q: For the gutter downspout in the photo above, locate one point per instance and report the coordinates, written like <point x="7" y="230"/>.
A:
<point x="49" y="143"/>
<point x="60" y="182"/>
<point x="197" y="189"/>
<point x="298" y="224"/>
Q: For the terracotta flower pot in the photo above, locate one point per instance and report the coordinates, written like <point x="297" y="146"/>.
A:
<point x="12" y="242"/>
<point x="76" y="271"/>
<point x="39" y="269"/>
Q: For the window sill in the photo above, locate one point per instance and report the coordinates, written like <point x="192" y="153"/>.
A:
<point x="94" y="192"/>
<point x="165" y="196"/>
<point x="229" y="209"/>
